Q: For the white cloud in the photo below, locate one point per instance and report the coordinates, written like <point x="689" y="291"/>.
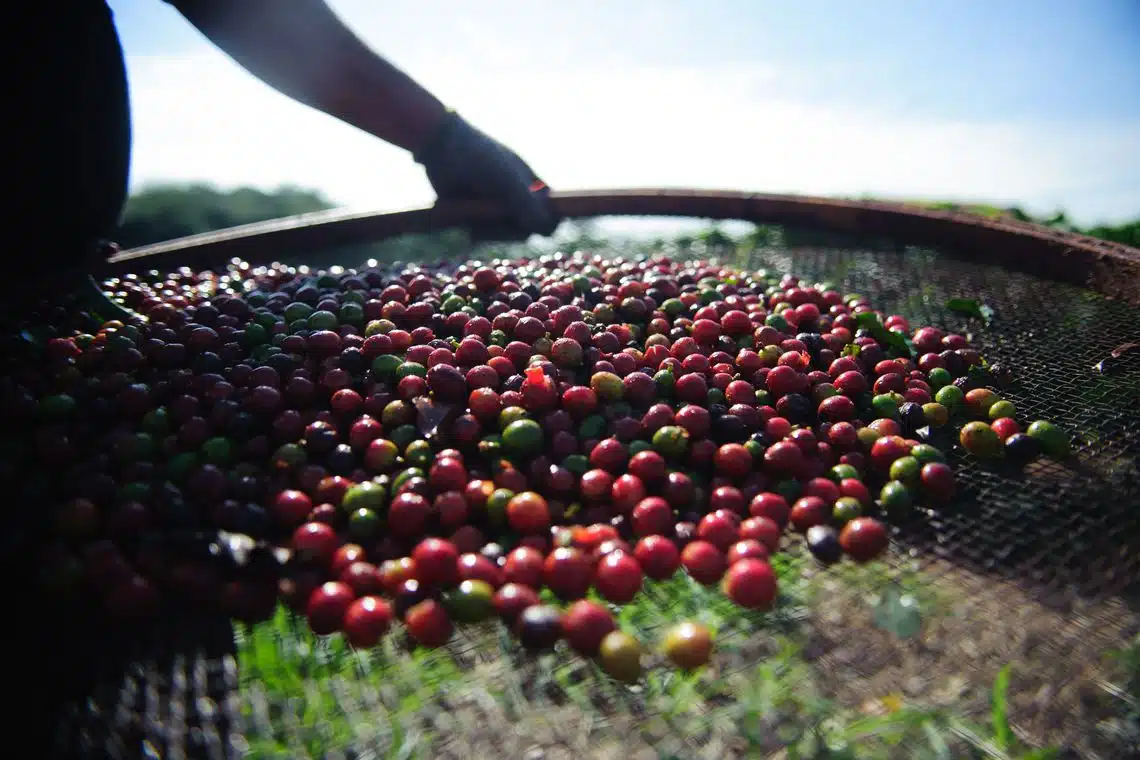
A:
<point x="200" y="117"/>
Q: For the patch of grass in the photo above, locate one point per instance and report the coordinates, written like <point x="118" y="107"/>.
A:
<point x="997" y="740"/>
<point x="1126" y="690"/>
<point x="922" y="731"/>
<point x="778" y="707"/>
<point x="1129" y="660"/>
<point x="282" y="661"/>
<point x="313" y="679"/>
<point x="680" y="598"/>
<point x="306" y="695"/>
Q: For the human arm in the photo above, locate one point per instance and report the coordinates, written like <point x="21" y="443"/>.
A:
<point x="307" y="53"/>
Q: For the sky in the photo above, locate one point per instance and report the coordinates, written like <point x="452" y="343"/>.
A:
<point x="1007" y="101"/>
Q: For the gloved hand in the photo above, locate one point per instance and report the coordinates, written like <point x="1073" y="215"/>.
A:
<point x="463" y="163"/>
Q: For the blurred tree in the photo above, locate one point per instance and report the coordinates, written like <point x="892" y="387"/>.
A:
<point x="1128" y="233"/>
<point x="167" y="211"/>
<point x="763" y="235"/>
<point x="1018" y="214"/>
<point x="715" y="239"/>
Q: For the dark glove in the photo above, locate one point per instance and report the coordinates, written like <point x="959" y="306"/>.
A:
<point x="464" y="164"/>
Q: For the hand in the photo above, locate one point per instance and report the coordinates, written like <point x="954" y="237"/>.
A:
<point x="463" y="163"/>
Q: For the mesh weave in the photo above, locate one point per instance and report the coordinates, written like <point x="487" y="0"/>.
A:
<point x="1055" y="542"/>
<point x="1065" y="529"/>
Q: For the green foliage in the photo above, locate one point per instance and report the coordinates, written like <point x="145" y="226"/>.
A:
<point x="1003" y="733"/>
<point x="715" y="238"/>
<point x="774" y="702"/>
<point x="1129" y="659"/>
<point x="311" y="677"/>
<point x="763" y="235"/>
<point x="1127" y="233"/>
<point x="1125" y="689"/>
<point x="971" y="307"/>
<point x="167" y="211"/>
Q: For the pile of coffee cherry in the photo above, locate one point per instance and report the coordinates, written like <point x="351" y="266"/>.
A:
<point x="430" y="445"/>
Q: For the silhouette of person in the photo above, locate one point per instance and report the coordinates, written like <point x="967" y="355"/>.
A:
<point x="78" y="112"/>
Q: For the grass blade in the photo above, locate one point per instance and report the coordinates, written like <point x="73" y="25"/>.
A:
<point x="937" y="742"/>
<point x="999" y="710"/>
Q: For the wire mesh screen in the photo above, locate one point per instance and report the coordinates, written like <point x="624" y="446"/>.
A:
<point x="1044" y="557"/>
<point x="1033" y="567"/>
<point x="1068" y="529"/>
